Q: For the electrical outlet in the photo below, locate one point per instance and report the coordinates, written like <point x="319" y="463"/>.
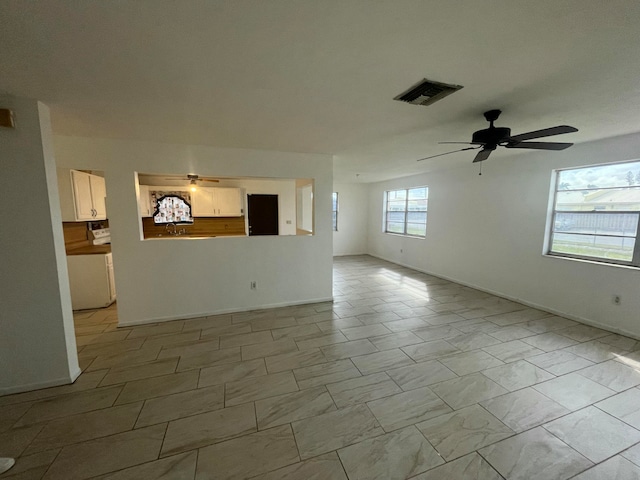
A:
<point x="254" y="285"/>
<point x="616" y="300"/>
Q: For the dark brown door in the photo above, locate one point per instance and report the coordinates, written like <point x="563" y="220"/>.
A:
<point x="263" y="214"/>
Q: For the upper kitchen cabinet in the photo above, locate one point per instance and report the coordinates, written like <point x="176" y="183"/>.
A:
<point x="82" y="196"/>
<point x="145" y="202"/>
<point x="229" y="201"/>
<point x="217" y="202"/>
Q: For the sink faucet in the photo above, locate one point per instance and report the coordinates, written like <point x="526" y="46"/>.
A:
<point x="169" y="230"/>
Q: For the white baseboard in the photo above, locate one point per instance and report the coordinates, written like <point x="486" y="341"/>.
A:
<point x="39" y="385"/>
<point x="587" y="321"/>
<point x="222" y="312"/>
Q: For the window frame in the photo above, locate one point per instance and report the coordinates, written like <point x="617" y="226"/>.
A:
<point x="406" y="211"/>
<point x="334" y="224"/>
<point x="554" y="211"/>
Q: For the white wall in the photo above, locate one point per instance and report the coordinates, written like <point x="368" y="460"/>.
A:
<point x="351" y="237"/>
<point x="37" y="343"/>
<point x="305" y="208"/>
<point x="488" y="231"/>
<point x="180" y="278"/>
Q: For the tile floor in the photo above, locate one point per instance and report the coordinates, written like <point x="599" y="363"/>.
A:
<point x="403" y="376"/>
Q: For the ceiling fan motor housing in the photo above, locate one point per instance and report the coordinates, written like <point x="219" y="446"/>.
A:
<point x="492" y="136"/>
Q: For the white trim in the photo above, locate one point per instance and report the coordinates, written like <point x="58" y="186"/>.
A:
<point x="40" y="385"/>
<point x="592" y="262"/>
<point x="223" y="312"/>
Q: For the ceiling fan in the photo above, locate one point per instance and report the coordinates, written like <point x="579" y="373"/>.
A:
<point x="489" y="139"/>
<point x="193" y="178"/>
<point x="193" y="181"/>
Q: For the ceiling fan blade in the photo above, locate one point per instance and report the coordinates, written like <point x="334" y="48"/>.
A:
<point x="540" y="145"/>
<point x="447" y="153"/>
<point x="482" y="155"/>
<point x="209" y="180"/>
<point x="461" y="143"/>
<point x="545" y="132"/>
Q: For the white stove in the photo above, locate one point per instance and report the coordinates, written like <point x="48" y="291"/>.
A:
<point x="102" y="236"/>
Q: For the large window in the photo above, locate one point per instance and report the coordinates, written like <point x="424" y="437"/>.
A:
<point x="334" y="210"/>
<point x="596" y="213"/>
<point x="406" y="211"/>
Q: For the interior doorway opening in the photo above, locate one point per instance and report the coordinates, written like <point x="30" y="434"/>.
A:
<point x="262" y="214"/>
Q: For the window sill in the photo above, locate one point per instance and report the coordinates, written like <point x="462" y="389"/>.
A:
<point x="593" y="262"/>
<point x="404" y="236"/>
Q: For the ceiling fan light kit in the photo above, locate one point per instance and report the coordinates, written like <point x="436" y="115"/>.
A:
<point x="488" y="139"/>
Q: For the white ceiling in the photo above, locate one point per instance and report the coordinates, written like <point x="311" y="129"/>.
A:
<point x="320" y="75"/>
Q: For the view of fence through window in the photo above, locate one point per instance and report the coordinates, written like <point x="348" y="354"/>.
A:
<point x="406" y="211"/>
<point x="596" y="213"/>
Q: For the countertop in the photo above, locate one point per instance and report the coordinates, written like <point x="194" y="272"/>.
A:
<point x="90" y="250"/>
<point x="190" y="237"/>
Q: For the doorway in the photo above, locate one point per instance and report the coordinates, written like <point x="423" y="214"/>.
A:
<point x="262" y="214"/>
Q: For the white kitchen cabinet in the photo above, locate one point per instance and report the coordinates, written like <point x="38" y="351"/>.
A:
<point x="145" y="202"/>
<point x="229" y="202"/>
<point x="91" y="281"/>
<point x="82" y="196"/>
<point x="98" y="196"/>
<point x="217" y="202"/>
<point x="203" y="203"/>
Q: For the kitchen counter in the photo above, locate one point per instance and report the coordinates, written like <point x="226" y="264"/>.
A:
<point x="191" y="237"/>
<point x="90" y="250"/>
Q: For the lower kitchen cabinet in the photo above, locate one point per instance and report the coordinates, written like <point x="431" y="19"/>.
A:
<point x="91" y="281"/>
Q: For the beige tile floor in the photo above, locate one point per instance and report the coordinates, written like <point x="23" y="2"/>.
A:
<point x="403" y="376"/>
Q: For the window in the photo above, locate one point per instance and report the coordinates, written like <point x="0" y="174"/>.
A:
<point x="406" y="211"/>
<point x="334" y="210"/>
<point x="172" y="208"/>
<point x="596" y="212"/>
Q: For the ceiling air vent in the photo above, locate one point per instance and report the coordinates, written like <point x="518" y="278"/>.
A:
<point x="427" y="92"/>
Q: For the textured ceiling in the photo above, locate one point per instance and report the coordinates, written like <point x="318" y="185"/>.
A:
<point x="320" y="76"/>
